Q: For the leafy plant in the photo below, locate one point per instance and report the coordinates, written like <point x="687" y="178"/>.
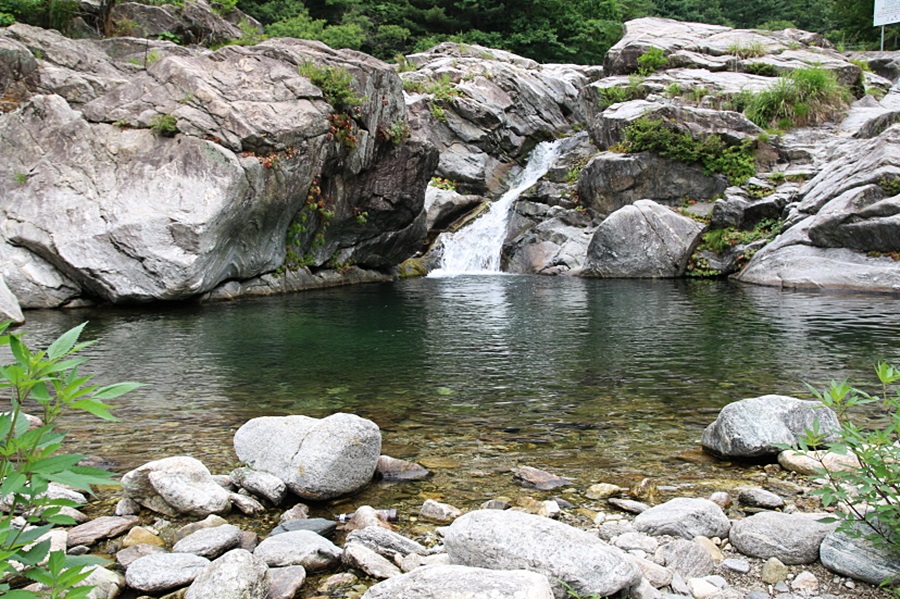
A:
<point x="868" y="497"/>
<point x="442" y="88"/>
<point x="720" y="241"/>
<point x="224" y="7"/>
<point x="165" y="125"/>
<point x="890" y="185"/>
<point x="801" y="97"/>
<point x="336" y="84"/>
<point x="442" y="183"/>
<point x="437" y="111"/>
<point x="573" y="594"/>
<point x="20" y="178"/>
<point x="751" y="50"/>
<point x="651" y="61"/>
<point x="168" y="36"/>
<point x="635" y="90"/>
<point x="30" y="460"/>
<point x="736" y="162"/>
<point x="6" y="19"/>
<point x="396" y="133"/>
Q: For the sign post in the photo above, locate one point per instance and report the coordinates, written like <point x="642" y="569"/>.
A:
<point x="886" y="12"/>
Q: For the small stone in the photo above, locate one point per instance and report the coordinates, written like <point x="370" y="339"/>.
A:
<point x="741" y="566"/>
<point x="627" y="505"/>
<point x="805" y="581"/>
<point x="127" y="507"/>
<point x="760" y="498"/>
<point x="548" y="509"/>
<point x="439" y="512"/>
<point x="141" y="536"/>
<point x="210" y="542"/>
<point x="249" y="540"/>
<point x="299" y="511"/>
<point x="533" y="478"/>
<point x="393" y="469"/>
<point x="701" y="588"/>
<point x="721" y="498"/>
<point x="320" y="526"/>
<point x="210" y="521"/>
<point x="645" y="490"/>
<point x="360" y="557"/>
<point x="495" y="504"/>
<point x="337" y="581"/>
<point x="635" y="540"/>
<point x="685" y="557"/>
<point x="365" y="515"/>
<point x="246" y="504"/>
<point x="285" y="583"/>
<point x="774" y="571"/>
<point x="104" y="527"/>
<point x="129" y="554"/>
<point x="603" y="491"/>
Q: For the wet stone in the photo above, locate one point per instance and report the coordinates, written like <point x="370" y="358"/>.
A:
<point x="603" y="491"/>
<point x="394" y="469"/>
<point x="298" y="512"/>
<point x="104" y="527"/>
<point x="627" y="505"/>
<point x="760" y="498"/>
<point x="439" y="512"/>
<point x="320" y="526"/>
<point x="533" y="478"/>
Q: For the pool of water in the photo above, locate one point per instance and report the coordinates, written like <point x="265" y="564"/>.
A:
<point x="599" y="381"/>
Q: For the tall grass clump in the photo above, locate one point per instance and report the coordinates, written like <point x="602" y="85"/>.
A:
<point x="801" y="97"/>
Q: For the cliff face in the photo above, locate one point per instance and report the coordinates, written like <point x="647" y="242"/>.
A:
<point x="128" y="182"/>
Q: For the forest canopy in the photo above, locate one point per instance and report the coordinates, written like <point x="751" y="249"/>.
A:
<point x="571" y="31"/>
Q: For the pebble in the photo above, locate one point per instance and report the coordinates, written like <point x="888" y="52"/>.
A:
<point x="805" y="581"/>
<point x="627" y="505"/>
<point x="741" y="566"/>
<point x="439" y="512"/>
<point x="603" y="491"/>
<point x="774" y="571"/>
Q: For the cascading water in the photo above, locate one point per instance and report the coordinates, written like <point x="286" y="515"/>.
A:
<point x="476" y="248"/>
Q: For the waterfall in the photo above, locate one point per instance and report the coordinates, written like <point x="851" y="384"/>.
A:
<point x="476" y="248"/>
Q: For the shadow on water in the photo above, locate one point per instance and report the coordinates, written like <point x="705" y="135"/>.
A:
<point x="595" y="380"/>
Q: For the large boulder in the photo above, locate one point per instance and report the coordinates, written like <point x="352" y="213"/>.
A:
<point x="611" y="181"/>
<point x="760" y="427"/>
<point x="510" y="540"/>
<point x="162" y="180"/>
<point x="453" y="582"/>
<point x="792" y="538"/>
<point x="179" y="485"/>
<point x="316" y="458"/>
<point x="644" y="240"/>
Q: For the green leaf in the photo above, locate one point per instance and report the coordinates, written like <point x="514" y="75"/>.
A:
<point x="35" y="554"/>
<point x="19" y="351"/>
<point x="113" y="391"/>
<point x="57" y="463"/>
<point x="65" y="343"/>
<point x="96" y="408"/>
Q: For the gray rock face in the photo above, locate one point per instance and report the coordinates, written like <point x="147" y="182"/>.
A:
<point x="712" y="47"/>
<point x="236" y="575"/>
<point x="9" y="305"/>
<point x="195" y="23"/>
<point x="755" y="427"/>
<point x="176" y="485"/>
<point x="298" y="548"/>
<point x="858" y="558"/>
<point x="644" y="240"/>
<point x="684" y="517"/>
<point x="505" y="540"/>
<point x="210" y="542"/>
<point x="316" y="458"/>
<point x="451" y="582"/>
<point x="505" y="105"/>
<point x="859" y="219"/>
<point x="611" y="181"/>
<point x="609" y="127"/>
<point x="163" y="572"/>
<point x="792" y="538"/>
<point x="124" y="214"/>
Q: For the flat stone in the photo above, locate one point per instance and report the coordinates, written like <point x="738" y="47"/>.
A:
<point x="130" y="554"/>
<point x="299" y="548"/>
<point x="285" y="583"/>
<point x="810" y="462"/>
<point x="533" y="478"/>
<point x="636" y="540"/>
<point x="163" y="572"/>
<point x="741" y="566"/>
<point x="389" y="468"/>
<point x="360" y="557"/>
<point x="454" y="581"/>
<point x="210" y="521"/>
<point x="210" y="542"/>
<point x="439" y="512"/>
<point x="756" y="497"/>
<point x="386" y="542"/>
<point x="603" y="491"/>
<point x="320" y="526"/>
<point x="685" y="557"/>
<point x="245" y="504"/>
<point x="104" y="527"/>
<point x="628" y="505"/>
<point x="792" y="538"/>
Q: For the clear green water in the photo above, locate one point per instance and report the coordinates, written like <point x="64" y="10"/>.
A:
<point x="595" y="380"/>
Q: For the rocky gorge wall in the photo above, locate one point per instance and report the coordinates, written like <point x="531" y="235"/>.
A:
<point x="141" y="170"/>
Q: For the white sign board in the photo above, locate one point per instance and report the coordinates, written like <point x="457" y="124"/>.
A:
<point x="887" y="12"/>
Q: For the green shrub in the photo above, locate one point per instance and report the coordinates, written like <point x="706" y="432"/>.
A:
<point x="736" y="162"/>
<point x="6" y="19"/>
<point x="635" y="90"/>
<point x="762" y="69"/>
<point x="224" y="7"/>
<point x="719" y="241"/>
<point x="165" y="125"/>
<point x="750" y="50"/>
<point x="801" y="97"/>
<point x="651" y="61"/>
<point x="335" y="83"/>
<point x="442" y="89"/>
<point x="868" y="498"/>
<point x="30" y="460"/>
<point x="890" y="185"/>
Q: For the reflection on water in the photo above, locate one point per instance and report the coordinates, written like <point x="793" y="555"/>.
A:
<point x="595" y="380"/>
